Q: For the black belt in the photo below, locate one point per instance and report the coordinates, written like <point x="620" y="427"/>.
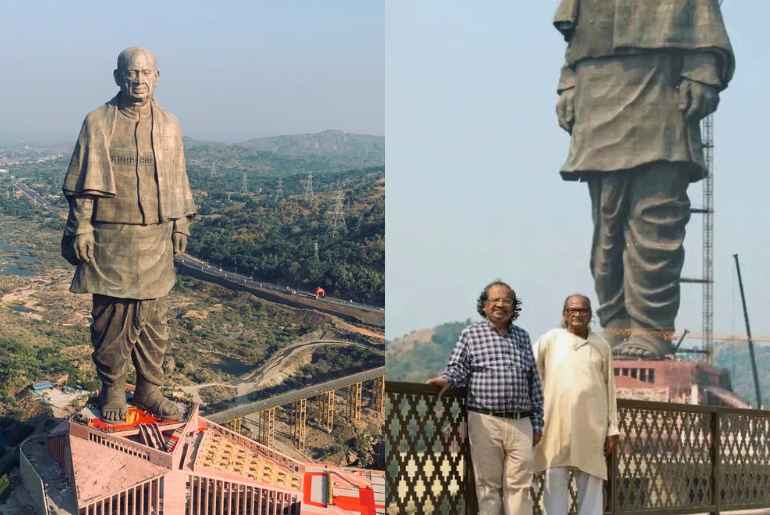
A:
<point x="515" y="415"/>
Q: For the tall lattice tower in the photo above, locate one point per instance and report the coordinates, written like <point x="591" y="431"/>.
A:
<point x="308" y="196"/>
<point x="244" y="184"/>
<point x="707" y="210"/>
<point x="708" y="238"/>
<point x="279" y="189"/>
<point x="338" y="215"/>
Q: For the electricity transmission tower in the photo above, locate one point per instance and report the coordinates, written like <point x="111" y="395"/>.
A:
<point x="309" y="187"/>
<point x="279" y="189"/>
<point x="338" y="215"/>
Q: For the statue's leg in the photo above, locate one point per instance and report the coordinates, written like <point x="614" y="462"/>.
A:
<point x="609" y="212"/>
<point x="147" y="355"/>
<point x="112" y="347"/>
<point x="659" y="212"/>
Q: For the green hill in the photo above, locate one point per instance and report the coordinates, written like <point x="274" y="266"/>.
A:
<point x="422" y="354"/>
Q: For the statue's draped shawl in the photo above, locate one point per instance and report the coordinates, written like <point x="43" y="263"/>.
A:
<point x="659" y="24"/>
<point x="90" y="169"/>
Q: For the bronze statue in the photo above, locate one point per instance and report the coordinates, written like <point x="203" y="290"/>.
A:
<point x="638" y="77"/>
<point x="130" y="205"/>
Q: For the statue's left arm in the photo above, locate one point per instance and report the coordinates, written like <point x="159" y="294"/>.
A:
<point x="700" y="85"/>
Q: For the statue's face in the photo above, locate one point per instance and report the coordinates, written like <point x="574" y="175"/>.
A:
<point x="138" y="79"/>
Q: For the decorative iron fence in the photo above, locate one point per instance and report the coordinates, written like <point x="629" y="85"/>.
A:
<point x="671" y="458"/>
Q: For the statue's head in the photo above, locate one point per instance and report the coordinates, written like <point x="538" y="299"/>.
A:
<point x="136" y="75"/>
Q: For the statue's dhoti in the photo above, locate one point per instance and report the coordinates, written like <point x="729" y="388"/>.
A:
<point x="637" y="251"/>
<point x="124" y="328"/>
<point x="638" y="153"/>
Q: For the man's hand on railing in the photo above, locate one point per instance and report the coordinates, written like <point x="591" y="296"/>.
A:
<point x="440" y="381"/>
<point x="610" y="444"/>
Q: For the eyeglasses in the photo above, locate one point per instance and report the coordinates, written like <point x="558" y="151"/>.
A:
<point x="577" y="310"/>
<point x="504" y="302"/>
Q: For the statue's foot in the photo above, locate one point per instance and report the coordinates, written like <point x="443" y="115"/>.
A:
<point x="631" y="351"/>
<point x="616" y="331"/>
<point x="648" y="345"/>
<point x="149" y="397"/>
<point x="112" y="403"/>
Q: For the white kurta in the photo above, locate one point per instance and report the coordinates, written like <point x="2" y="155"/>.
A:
<point x="580" y="408"/>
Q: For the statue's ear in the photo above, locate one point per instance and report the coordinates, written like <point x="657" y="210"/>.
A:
<point x="116" y="76"/>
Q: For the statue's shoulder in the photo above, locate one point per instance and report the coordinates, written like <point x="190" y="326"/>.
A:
<point x="99" y="115"/>
<point x="168" y="118"/>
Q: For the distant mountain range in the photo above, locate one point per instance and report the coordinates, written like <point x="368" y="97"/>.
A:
<point x="423" y="353"/>
<point x="321" y="152"/>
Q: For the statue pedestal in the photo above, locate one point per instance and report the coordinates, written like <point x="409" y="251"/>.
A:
<point x="146" y="466"/>
<point x="684" y="382"/>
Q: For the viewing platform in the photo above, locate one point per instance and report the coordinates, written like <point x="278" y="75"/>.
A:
<point x="671" y="458"/>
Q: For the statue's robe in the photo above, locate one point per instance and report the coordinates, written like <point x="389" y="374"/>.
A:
<point x="625" y="59"/>
<point x="127" y="184"/>
<point x="140" y="198"/>
<point x="635" y="148"/>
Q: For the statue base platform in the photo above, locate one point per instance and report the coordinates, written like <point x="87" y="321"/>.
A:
<point x="193" y="466"/>
<point x="686" y="382"/>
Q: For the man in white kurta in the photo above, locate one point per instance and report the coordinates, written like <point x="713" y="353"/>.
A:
<point x="581" y="422"/>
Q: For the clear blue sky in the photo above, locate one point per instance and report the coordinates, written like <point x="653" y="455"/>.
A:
<point x="473" y="152"/>
<point x="230" y="70"/>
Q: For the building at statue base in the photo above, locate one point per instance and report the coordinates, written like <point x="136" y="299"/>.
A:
<point x="193" y="467"/>
<point x="686" y="382"/>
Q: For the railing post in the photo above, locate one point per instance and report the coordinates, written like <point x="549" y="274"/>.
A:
<point x="612" y="475"/>
<point x="716" y="437"/>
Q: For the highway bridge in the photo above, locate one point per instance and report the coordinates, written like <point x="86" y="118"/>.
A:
<point x="357" y="312"/>
<point x="354" y="388"/>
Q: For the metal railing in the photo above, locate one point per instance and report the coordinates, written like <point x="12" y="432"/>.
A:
<point x="671" y="458"/>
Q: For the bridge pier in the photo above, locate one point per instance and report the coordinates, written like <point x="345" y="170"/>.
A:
<point x="234" y="425"/>
<point x="299" y="424"/>
<point x="354" y="402"/>
<point x="327" y="415"/>
<point x="378" y="395"/>
<point x="267" y="427"/>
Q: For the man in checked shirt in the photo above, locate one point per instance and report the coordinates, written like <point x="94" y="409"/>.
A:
<point x="493" y="359"/>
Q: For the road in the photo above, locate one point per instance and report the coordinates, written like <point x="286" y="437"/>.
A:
<point x="287" y="398"/>
<point x="252" y="381"/>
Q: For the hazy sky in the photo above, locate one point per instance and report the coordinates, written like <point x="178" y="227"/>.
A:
<point x="473" y="152"/>
<point x="229" y="70"/>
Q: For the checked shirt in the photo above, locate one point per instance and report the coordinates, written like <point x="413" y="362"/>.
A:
<point x="499" y="372"/>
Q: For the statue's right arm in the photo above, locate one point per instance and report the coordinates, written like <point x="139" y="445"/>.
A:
<point x="80" y="228"/>
<point x="565" y="105"/>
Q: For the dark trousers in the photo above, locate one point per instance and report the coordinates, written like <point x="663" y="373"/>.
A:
<point x="129" y="327"/>
<point x="637" y="251"/>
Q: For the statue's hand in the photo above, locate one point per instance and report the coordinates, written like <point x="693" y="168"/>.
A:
<point x="565" y="109"/>
<point x="179" y="241"/>
<point x="697" y="100"/>
<point x="84" y="247"/>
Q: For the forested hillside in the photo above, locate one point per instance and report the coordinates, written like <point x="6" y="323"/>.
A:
<point x="255" y="216"/>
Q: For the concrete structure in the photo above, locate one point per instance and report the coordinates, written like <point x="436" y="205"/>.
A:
<point x="194" y="467"/>
<point x="685" y="382"/>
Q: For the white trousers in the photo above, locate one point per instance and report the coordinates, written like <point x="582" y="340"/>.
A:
<point x="501" y="451"/>
<point x="590" y="490"/>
